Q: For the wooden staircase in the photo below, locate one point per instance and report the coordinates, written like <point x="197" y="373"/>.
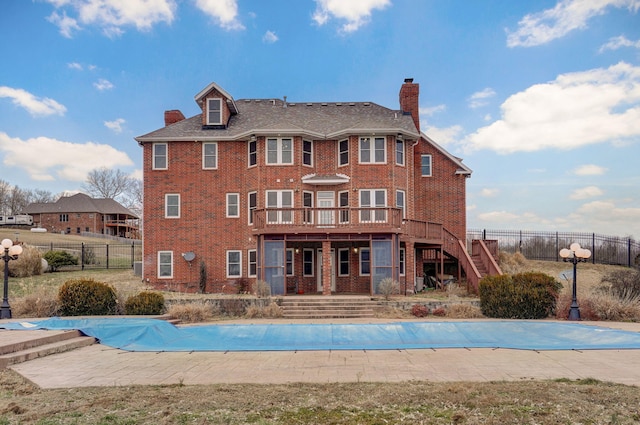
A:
<point x="327" y="307"/>
<point x="482" y="269"/>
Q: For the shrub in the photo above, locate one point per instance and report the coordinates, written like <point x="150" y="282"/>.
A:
<point x="588" y="310"/>
<point x="57" y="259"/>
<point x="263" y="290"/>
<point x="202" y="283"/>
<point x="623" y="283"/>
<point x="40" y="303"/>
<point x="144" y="303"/>
<point x="88" y="255"/>
<point x="79" y="297"/>
<point x="530" y="295"/>
<point x="420" y="310"/>
<point x="29" y="263"/>
<point x="464" y="311"/>
<point x="440" y="311"/>
<point x="388" y="287"/>
<point x="191" y="312"/>
<point x="271" y="311"/>
<point x="243" y="286"/>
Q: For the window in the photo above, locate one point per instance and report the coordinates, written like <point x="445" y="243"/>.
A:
<point x="343" y="262"/>
<point x="233" y="205"/>
<point x="373" y="202"/>
<point x="400" y="203"/>
<point x="234" y="263"/>
<point x="343" y="203"/>
<point x="289" y="262"/>
<point x="77" y="230"/>
<point x="401" y="261"/>
<point x="365" y="261"/>
<point x="214" y="111"/>
<point x="171" y="205"/>
<point x="307" y="262"/>
<point x="64" y="218"/>
<point x="283" y="201"/>
<point x="253" y="204"/>
<point x="209" y="156"/>
<point x="253" y="263"/>
<point x="307" y="153"/>
<point x="165" y="264"/>
<point x="425" y="165"/>
<point x="253" y="153"/>
<point x="399" y="152"/>
<point x="343" y="152"/>
<point x="372" y="150"/>
<point x="159" y="156"/>
<point x="279" y="151"/>
<point x="307" y="203"/>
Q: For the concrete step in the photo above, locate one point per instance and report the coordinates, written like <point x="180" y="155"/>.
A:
<point x="327" y="307"/>
<point x="45" y="349"/>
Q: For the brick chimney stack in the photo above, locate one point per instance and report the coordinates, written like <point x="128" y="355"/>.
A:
<point x="409" y="100"/>
<point x="172" y="117"/>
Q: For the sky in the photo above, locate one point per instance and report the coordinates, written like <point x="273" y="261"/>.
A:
<point x="540" y="98"/>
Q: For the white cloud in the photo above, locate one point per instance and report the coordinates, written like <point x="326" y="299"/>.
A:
<point x="75" y="65"/>
<point x="615" y="43"/>
<point x="431" y="110"/>
<point x="586" y="193"/>
<point x="34" y="105"/>
<point x="115" y="125"/>
<point x="223" y="12"/>
<point x="356" y="12"/>
<point x="56" y="159"/>
<point x="479" y="99"/>
<point x="610" y="218"/>
<point x="103" y="84"/>
<point x="567" y="15"/>
<point x="111" y="15"/>
<point x="269" y="37"/>
<point x="589" y="170"/>
<point x="443" y="136"/>
<point x="489" y="193"/>
<point x="576" y="109"/>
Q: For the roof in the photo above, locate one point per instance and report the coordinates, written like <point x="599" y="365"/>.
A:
<point x="462" y="169"/>
<point x="278" y="118"/>
<point x="79" y="203"/>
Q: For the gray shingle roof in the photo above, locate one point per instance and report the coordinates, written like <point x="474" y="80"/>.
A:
<point x="274" y="117"/>
<point x="79" y="203"/>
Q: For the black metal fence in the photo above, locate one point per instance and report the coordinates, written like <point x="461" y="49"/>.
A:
<point x="99" y="255"/>
<point x="540" y="245"/>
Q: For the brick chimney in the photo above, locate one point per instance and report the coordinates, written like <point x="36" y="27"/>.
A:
<point x="409" y="99"/>
<point x="172" y="117"/>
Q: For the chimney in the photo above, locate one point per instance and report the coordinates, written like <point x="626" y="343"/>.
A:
<point x="172" y="117"/>
<point x="409" y="99"/>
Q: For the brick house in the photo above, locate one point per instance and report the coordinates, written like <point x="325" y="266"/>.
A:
<point x="80" y="213"/>
<point x="308" y="197"/>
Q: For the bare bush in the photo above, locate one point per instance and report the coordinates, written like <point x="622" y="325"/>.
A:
<point x="191" y="312"/>
<point x="43" y="302"/>
<point x="512" y="263"/>
<point x="464" y="311"/>
<point x="614" y="307"/>
<point x="623" y="283"/>
<point x="388" y="287"/>
<point x="29" y="263"/>
<point x="273" y="310"/>
<point x="263" y="290"/>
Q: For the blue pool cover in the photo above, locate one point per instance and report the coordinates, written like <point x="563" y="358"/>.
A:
<point x="157" y="335"/>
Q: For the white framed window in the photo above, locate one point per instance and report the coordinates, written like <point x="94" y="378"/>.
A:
<point x="399" y="152"/>
<point x="307" y="153"/>
<point x="252" y="148"/>
<point x="252" y="204"/>
<point x="288" y="264"/>
<point x="165" y="264"/>
<point x="425" y="165"/>
<point x="401" y="202"/>
<point x="343" y="203"/>
<point x="233" y="205"/>
<point x="365" y="261"/>
<point x="209" y="156"/>
<point x="279" y="151"/>
<point x="282" y="200"/>
<point x="308" y="262"/>
<point x="214" y="111"/>
<point x="160" y="156"/>
<point x="234" y="263"/>
<point x="252" y="266"/>
<point x="343" y="262"/>
<point x="172" y="205"/>
<point x="402" y="261"/>
<point x="374" y="203"/>
<point x="307" y="203"/>
<point x="373" y="150"/>
<point x="343" y="152"/>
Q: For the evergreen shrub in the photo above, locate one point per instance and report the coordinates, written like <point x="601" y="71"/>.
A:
<point x="57" y="259"/>
<point x="144" y="303"/>
<point x="87" y="297"/>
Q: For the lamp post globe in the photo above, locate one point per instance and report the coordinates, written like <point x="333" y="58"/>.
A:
<point x="574" y="255"/>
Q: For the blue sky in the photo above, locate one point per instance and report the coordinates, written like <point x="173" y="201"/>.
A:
<point x="540" y="98"/>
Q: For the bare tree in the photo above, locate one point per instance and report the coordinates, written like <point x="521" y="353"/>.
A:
<point x="135" y="197"/>
<point x="107" y="183"/>
<point x="39" y="195"/>
<point x="5" y="192"/>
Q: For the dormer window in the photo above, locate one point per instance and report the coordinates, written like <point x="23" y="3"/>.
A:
<point x="214" y="111"/>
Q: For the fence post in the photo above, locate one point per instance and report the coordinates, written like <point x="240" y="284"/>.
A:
<point x="557" y="248"/>
<point x="484" y="234"/>
<point x="133" y="251"/>
<point x="107" y="245"/>
<point x="82" y="256"/>
<point x="593" y="248"/>
<point x="629" y="252"/>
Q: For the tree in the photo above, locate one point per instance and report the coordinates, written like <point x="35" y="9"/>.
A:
<point x="106" y="183"/>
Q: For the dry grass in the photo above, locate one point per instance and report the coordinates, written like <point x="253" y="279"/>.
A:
<point x="192" y="312"/>
<point x="273" y="310"/>
<point x="42" y="302"/>
<point x="463" y="311"/>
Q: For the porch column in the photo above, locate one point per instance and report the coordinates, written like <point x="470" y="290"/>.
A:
<point x="326" y="267"/>
<point x="409" y="268"/>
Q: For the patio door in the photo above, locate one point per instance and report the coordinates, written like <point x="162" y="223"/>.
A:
<point x="326" y="217"/>
<point x="332" y="256"/>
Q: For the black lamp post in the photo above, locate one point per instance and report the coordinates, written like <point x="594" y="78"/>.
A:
<point x="11" y="252"/>
<point x="575" y="254"/>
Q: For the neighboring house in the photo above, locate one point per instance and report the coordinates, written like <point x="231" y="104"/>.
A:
<point x="81" y="213"/>
<point x="307" y="196"/>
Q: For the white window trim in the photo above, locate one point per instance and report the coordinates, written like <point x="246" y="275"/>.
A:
<point x="166" y="156"/>
<point x="430" y="165"/>
<point x="249" y="263"/>
<point x="219" y="100"/>
<point x="283" y="217"/>
<point x="308" y="215"/>
<point x="230" y="196"/>
<point x="372" y="150"/>
<point x="402" y="261"/>
<point x="348" y="261"/>
<point x="278" y="151"/>
<point x="251" y="211"/>
<point x="310" y="153"/>
<point x="372" y="197"/>
<point x="313" y="261"/>
<point x="255" y="143"/>
<point x="166" y="205"/>
<point x="239" y="263"/>
<point x="159" y="264"/>
<point x="404" y="200"/>
<point x="360" y="261"/>
<point x="339" y="152"/>
<point x="293" y="262"/>
<point x="402" y="163"/>
<point x="204" y="166"/>
<point x="346" y="207"/>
